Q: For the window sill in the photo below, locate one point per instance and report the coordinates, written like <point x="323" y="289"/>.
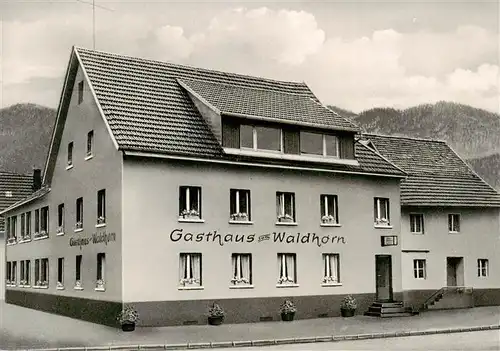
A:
<point x="453" y="232"/>
<point x="89" y="157"/>
<point x="249" y="286"/>
<point x="291" y="157"/>
<point x="69" y="167"/>
<point x="100" y="225"/>
<point x="287" y="223"/>
<point x="190" y="288"/>
<point x="40" y="287"/>
<point x="78" y="288"/>
<point x="420" y="278"/>
<point x="11" y="243"/>
<point x="185" y="220"/>
<point x="330" y="284"/>
<point x="417" y="233"/>
<point x="25" y="286"/>
<point x="10" y="285"/>
<point x="40" y="237"/>
<point x="287" y="285"/>
<point x="100" y="289"/>
<point x="330" y="225"/>
<point x="24" y="241"/>
<point x="240" y="222"/>
<point x="60" y="288"/>
<point x="60" y="234"/>
<point x="78" y="230"/>
<point x="379" y="226"/>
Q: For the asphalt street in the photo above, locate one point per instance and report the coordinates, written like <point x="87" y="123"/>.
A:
<point x="477" y="341"/>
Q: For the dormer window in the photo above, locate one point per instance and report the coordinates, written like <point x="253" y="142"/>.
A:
<point x="287" y="141"/>
<point x="319" y="144"/>
<point x="260" y="137"/>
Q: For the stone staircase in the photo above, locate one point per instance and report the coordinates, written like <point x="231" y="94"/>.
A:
<point x="450" y="297"/>
<point x="389" y="309"/>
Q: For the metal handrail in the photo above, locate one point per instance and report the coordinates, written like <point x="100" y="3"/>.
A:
<point x="443" y="291"/>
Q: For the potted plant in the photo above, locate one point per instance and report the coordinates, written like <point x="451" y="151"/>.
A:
<point x="128" y="317"/>
<point x="215" y="314"/>
<point x="190" y="214"/>
<point x="287" y="310"/>
<point x="101" y="220"/>
<point x="348" y="306"/>
<point x="328" y="219"/>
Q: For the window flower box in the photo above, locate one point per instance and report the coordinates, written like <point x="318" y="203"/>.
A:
<point x="27" y="238"/>
<point x="43" y="232"/>
<point x="285" y="280"/>
<point x="285" y="219"/>
<point x="189" y="281"/>
<point x="23" y="282"/>
<point x="101" y="220"/>
<point x="240" y="217"/>
<point x="78" y="284"/>
<point x="100" y="284"/>
<point x="42" y="283"/>
<point x="190" y="214"/>
<point x="328" y="220"/>
<point x="329" y="280"/>
<point x="382" y="221"/>
<point x="79" y="225"/>
<point x="11" y="240"/>
<point x="60" y="230"/>
<point x="240" y="281"/>
<point x="59" y="285"/>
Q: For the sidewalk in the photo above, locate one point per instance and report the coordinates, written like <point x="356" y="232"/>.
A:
<point x="22" y="328"/>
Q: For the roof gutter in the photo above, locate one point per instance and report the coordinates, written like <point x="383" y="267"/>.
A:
<point x="251" y="164"/>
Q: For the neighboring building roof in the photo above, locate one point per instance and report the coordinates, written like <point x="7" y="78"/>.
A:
<point x="33" y="196"/>
<point x="148" y="111"/>
<point x="13" y="188"/>
<point x="280" y="106"/>
<point x="437" y="176"/>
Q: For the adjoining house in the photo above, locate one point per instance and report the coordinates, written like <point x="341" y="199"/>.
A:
<point x="450" y="225"/>
<point x="170" y="187"/>
<point x="13" y="188"/>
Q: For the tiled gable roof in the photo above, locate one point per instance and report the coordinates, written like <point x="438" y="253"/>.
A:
<point x="437" y="176"/>
<point x="272" y="105"/>
<point x="13" y="188"/>
<point x="147" y="109"/>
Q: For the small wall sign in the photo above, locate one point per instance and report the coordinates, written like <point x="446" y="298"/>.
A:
<point x="95" y="238"/>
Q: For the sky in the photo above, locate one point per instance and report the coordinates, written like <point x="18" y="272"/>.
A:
<point x="352" y="54"/>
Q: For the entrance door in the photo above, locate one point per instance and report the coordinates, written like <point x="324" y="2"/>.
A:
<point x="383" y="271"/>
<point x="454" y="271"/>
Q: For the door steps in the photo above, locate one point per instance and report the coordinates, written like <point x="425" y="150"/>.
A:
<point x="389" y="309"/>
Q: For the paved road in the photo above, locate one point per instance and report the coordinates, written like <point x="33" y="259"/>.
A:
<point x="477" y="341"/>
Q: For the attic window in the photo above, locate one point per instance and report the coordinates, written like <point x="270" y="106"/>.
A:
<point x="8" y="194"/>
<point x="80" y="92"/>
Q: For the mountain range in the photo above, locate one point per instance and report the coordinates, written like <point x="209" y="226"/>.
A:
<point x="473" y="133"/>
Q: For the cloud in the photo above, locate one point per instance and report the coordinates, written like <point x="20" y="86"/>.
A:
<point x="287" y="37"/>
<point x="386" y="67"/>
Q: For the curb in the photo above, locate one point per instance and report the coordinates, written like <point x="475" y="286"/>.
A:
<point x="268" y="342"/>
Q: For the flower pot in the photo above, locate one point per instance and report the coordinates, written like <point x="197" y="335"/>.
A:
<point x="127" y="327"/>
<point x="215" y="320"/>
<point x="345" y="312"/>
<point x="287" y="317"/>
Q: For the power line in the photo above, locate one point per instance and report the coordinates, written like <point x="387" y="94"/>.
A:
<point x="93" y="17"/>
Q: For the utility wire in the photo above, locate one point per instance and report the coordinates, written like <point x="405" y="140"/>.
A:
<point x="93" y="17"/>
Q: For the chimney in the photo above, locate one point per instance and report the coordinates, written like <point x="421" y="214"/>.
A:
<point x="37" y="179"/>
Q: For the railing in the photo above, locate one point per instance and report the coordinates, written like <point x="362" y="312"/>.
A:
<point x="445" y="290"/>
